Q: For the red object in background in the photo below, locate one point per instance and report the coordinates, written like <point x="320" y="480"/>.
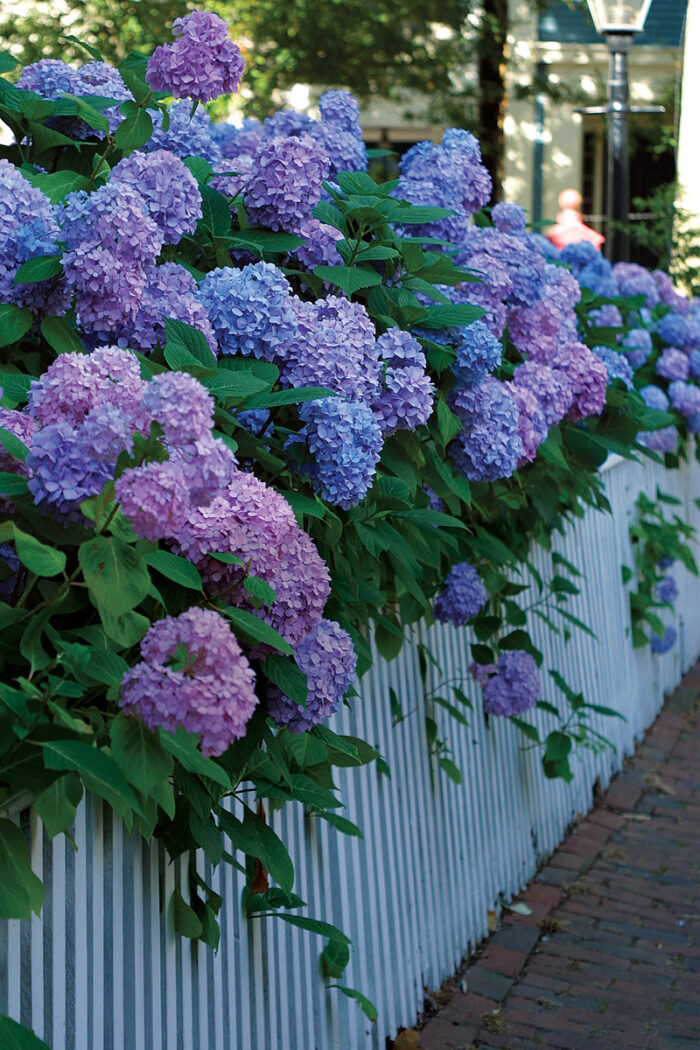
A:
<point x="570" y="227"/>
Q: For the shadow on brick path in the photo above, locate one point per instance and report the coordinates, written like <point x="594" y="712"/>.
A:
<point x="609" y="959"/>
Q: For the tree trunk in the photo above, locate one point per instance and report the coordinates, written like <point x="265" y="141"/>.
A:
<point x="491" y="59"/>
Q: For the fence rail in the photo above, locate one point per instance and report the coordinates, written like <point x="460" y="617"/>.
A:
<point x="103" y="969"/>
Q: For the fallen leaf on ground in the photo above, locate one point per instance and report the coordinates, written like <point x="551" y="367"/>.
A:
<point x="520" y="908"/>
<point x="409" y="1039"/>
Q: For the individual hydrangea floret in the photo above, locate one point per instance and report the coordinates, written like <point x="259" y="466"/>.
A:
<point x="463" y="596"/>
<point x="28" y="228"/>
<point x="489" y="446"/>
<point x="406" y="399"/>
<point x="673" y="364"/>
<point x="663" y="643"/>
<point x="335" y="348"/>
<point x="283" y="185"/>
<point x="616" y="365"/>
<point x="515" y="687"/>
<point x="202" y="64"/>
<point x="192" y="674"/>
<point x="251" y="310"/>
<point x="508" y="218"/>
<point x="478" y="353"/>
<point x="399" y="348"/>
<point x="168" y="187"/>
<point x="666" y="590"/>
<point x="345" y="439"/>
<point x="154" y="499"/>
<point x="550" y="386"/>
<point x="654" y="397"/>
<point x="327" y="658"/>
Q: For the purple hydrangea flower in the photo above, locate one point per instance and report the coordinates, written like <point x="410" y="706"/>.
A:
<point x="535" y="330"/>
<point x="171" y="291"/>
<point x="607" y="316"/>
<point x="23" y="427"/>
<point x="74" y="384"/>
<point x="327" y="658"/>
<point x="526" y="268"/>
<point x="489" y="447"/>
<point x="663" y="440"/>
<point x="666" y="590"/>
<point x="183" y="407"/>
<point x="587" y="376"/>
<point x="673" y="364"/>
<point x="455" y="166"/>
<point x="561" y="287"/>
<point x="463" y="596"/>
<point x="51" y="77"/>
<point x="633" y="279"/>
<point x="207" y="465"/>
<point x="341" y="108"/>
<point x="11" y="565"/>
<point x="345" y="151"/>
<point x="168" y="187"/>
<point x="662" y="643"/>
<point x="283" y="185"/>
<point x="202" y="64"/>
<point x="616" y="365"/>
<point x="399" y="349"/>
<point x="478" y="353"/>
<point x="515" y="687"/>
<point x="234" y="139"/>
<point x="345" y="440"/>
<point x="694" y="364"/>
<point x="668" y="294"/>
<point x="685" y="397"/>
<point x="154" y="498"/>
<point x="251" y="310"/>
<point x="638" y="345"/>
<point x="319" y="248"/>
<point x="508" y="218"/>
<point x="335" y="348"/>
<point x="406" y="399"/>
<point x="532" y="425"/>
<point x="188" y="134"/>
<point x="192" y="674"/>
<point x="654" y="397"/>
<point x="550" y="386"/>
<point x="434" y="501"/>
<point x="301" y="585"/>
<point x="27" y="228"/>
<point x="287" y="122"/>
<point x="665" y="562"/>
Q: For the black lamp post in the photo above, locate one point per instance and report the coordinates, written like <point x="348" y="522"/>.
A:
<point x="618" y="21"/>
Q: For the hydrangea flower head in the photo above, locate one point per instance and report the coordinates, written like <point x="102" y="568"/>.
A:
<point x="399" y="348"/>
<point x="319" y="248"/>
<point x="27" y="228"/>
<point x="663" y="440"/>
<point x="154" y="499"/>
<point x="478" y="353"/>
<point x="406" y="399"/>
<point x="662" y="643"/>
<point x="327" y="658"/>
<point x="633" y="279"/>
<point x="74" y="384"/>
<point x="654" y="397"/>
<point x="532" y="425"/>
<point x="251" y="310"/>
<point x="508" y="218"/>
<point x="489" y="447"/>
<point x="345" y="150"/>
<point x="679" y="330"/>
<point x="183" y="407"/>
<point x="673" y="364"/>
<point x="666" y="589"/>
<point x="341" y="108"/>
<point x="187" y="135"/>
<point x="616" y="365"/>
<point x="550" y="386"/>
<point x="202" y="64"/>
<point x="192" y="674"/>
<point x="685" y="397"/>
<point x="345" y="440"/>
<point x="638" y="345"/>
<point x="168" y="187"/>
<point x="515" y="687"/>
<point x="50" y="78"/>
<point x="535" y="330"/>
<point x="587" y="376"/>
<point x="171" y="291"/>
<point x="463" y="596"/>
<point x="283" y="185"/>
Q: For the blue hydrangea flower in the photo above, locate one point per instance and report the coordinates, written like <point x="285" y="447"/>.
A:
<point x="616" y="365"/>
<point x="515" y="687"/>
<point x="286" y="122"/>
<point x="678" y="330"/>
<point x="171" y="291"/>
<point x="399" y="348"/>
<point x="580" y="255"/>
<point x="283" y="186"/>
<point x="633" y="279"/>
<point x="463" y="596"/>
<point x="607" y="316"/>
<point x="508" y="218"/>
<point x="685" y="397"/>
<point x="638" y="345"/>
<point x="406" y="399"/>
<point x="188" y="134"/>
<point x="341" y="108"/>
<point x="526" y="268"/>
<point x="666" y="589"/>
<point x="673" y="364"/>
<point x="663" y="440"/>
<point x="345" y="151"/>
<point x="489" y="447"/>
<point x="251" y="310"/>
<point x="50" y="78"/>
<point x="478" y="353"/>
<point x="662" y="643"/>
<point x="654" y="397"/>
<point x="346" y="442"/>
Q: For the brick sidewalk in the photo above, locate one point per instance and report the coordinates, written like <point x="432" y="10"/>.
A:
<point x="609" y="959"/>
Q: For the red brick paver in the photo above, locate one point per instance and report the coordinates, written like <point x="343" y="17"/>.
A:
<point x="609" y="958"/>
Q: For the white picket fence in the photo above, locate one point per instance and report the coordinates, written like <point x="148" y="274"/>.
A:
<point x="102" y="969"/>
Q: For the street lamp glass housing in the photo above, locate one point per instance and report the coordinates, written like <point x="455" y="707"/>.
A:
<point x="619" y="16"/>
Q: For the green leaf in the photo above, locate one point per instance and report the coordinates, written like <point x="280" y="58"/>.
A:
<point x="82" y="108"/>
<point x="175" y="568"/>
<point x="284" y="673"/>
<point x="257" y="839"/>
<point x="132" y="76"/>
<point x="266" y="240"/>
<point x="185" y="918"/>
<point x="40" y="268"/>
<point x="342" y="824"/>
<point x="136" y="128"/>
<point x="57" y="804"/>
<point x="12" y="444"/>
<point x="14" y="1036"/>
<point x="295" y="396"/>
<point x="15" y="386"/>
<point x="323" y="929"/>
<point x="61" y="335"/>
<point x="7" y="62"/>
<point x="253" y="629"/>
<point x="456" y="315"/>
<point x="37" y="556"/>
<point x="530" y="731"/>
<point x="57" y="184"/>
<point x="366" y="1005"/>
<point x="117" y="577"/>
<point x="127" y="629"/>
<point x="21" y="892"/>
<point x="452" y="771"/>
<point x="179" y="334"/>
<point x="334" y="958"/>
<point x="140" y="754"/>
<point x="306" y="750"/>
<point x="259" y="589"/>
<point x="12" y="484"/>
<point x="99" y="772"/>
<point x="350" y="278"/>
<point x="15" y="321"/>
<point x="216" y="215"/>
<point x="185" y="748"/>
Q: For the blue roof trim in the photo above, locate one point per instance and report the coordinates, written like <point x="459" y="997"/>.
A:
<point x="573" y="25"/>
